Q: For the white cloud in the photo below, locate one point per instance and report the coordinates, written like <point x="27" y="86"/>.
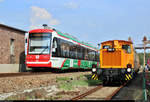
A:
<point x="40" y="16"/>
<point x="71" y="5"/>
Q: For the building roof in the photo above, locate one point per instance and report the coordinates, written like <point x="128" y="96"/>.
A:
<point x="13" y="28"/>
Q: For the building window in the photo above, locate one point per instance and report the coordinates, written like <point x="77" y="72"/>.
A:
<point x="12" y="46"/>
<point x="12" y="52"/>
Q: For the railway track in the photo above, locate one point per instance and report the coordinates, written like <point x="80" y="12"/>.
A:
<point x="115" y="92"/>
<point x="98" y="93"/>
<point x="87" y="93"/>
<point x="2" y="75"/>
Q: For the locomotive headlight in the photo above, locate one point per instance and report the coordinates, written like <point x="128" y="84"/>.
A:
<point x="129" y="70"/>
<point x="110" y="49"/>
<point x="93" y="69"/>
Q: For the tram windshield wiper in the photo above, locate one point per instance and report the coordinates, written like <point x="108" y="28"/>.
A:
<point x="43" y="50"/>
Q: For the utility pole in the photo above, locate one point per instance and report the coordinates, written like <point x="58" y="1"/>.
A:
<point x="144" y="80"/>
<point x="144" y="43"/>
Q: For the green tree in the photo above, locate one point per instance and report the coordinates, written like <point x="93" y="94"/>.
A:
<point x="147" y="56"/>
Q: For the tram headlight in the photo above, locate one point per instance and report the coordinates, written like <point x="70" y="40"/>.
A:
<point x="93" y="69"/>
<point x="129" y="70"/>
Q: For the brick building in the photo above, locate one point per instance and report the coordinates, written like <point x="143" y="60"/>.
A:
<point x="12" y="46"/>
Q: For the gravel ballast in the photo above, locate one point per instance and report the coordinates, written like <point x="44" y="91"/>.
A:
<point x="11" y="86"/>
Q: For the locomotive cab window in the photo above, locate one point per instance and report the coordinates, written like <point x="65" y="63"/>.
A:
<point x="106" y="47"/>
<point x="127" y="48"/>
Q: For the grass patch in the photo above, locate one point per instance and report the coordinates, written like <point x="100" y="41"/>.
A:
<point x="67" y="83"/>
<point x="94" y="82"/>
<point x="62" y="79"/>
<point x="79" y="83"/>
<point x="70" y="85"/>
<point x="148" y="93"/>
<point x="66" y="86"/>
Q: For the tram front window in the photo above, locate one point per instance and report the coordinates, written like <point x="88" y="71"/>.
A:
<point x="39" y="43"/>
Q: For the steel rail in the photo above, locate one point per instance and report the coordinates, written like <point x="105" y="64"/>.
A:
<point x="115" y="92"/>
<point x="96" y="89"/>
<point x="87" y="93"/>
<point x="2" y="75"/>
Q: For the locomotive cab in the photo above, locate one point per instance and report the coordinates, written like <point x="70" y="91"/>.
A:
<point x="117" y="61"/>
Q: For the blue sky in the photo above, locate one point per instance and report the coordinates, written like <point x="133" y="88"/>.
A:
<point x="91" y="21"/>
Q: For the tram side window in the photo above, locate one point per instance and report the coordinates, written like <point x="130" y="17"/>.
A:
<point x="82" y="51"/>
<point x="64" y="46"/>
<point x="127" y="48"/>
<point x="67" y="50"/>
<point x="86" y="54"/>
<point x="91" y="55"/>
<point x="94" y="59"/>
<point x="98" y="54"/>
<point x="55" y="48"/>
<point x="73" y="51"/>
<point x="79" y="52"/>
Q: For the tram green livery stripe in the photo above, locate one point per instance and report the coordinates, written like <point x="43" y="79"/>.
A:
<point x="66" y="63"/>
<point x="84" y="64"/>
<point x="72" y="38"/>
<point x="75" y="63"/>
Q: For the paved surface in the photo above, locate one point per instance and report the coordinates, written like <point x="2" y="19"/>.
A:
<point x="148" y="84"/>
<point x="101" y="94"/>
<point x="132" y="91"/>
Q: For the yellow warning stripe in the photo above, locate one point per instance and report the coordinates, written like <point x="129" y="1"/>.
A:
<point x="130" y="76"/>
<point x="127" y="76"/>
<point x="97" y="77"/>
<point x="93" y="76"/>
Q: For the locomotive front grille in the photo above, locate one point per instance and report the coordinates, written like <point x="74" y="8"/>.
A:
<point x="111" y="58"/>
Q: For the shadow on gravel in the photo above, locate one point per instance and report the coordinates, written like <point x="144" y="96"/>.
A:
<point x="132" y="90"/>
<point x="112" y="84"/>
<point x="92" y="82"/>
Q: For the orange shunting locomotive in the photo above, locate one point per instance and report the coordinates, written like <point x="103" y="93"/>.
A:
<point x="118" y="61"/>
